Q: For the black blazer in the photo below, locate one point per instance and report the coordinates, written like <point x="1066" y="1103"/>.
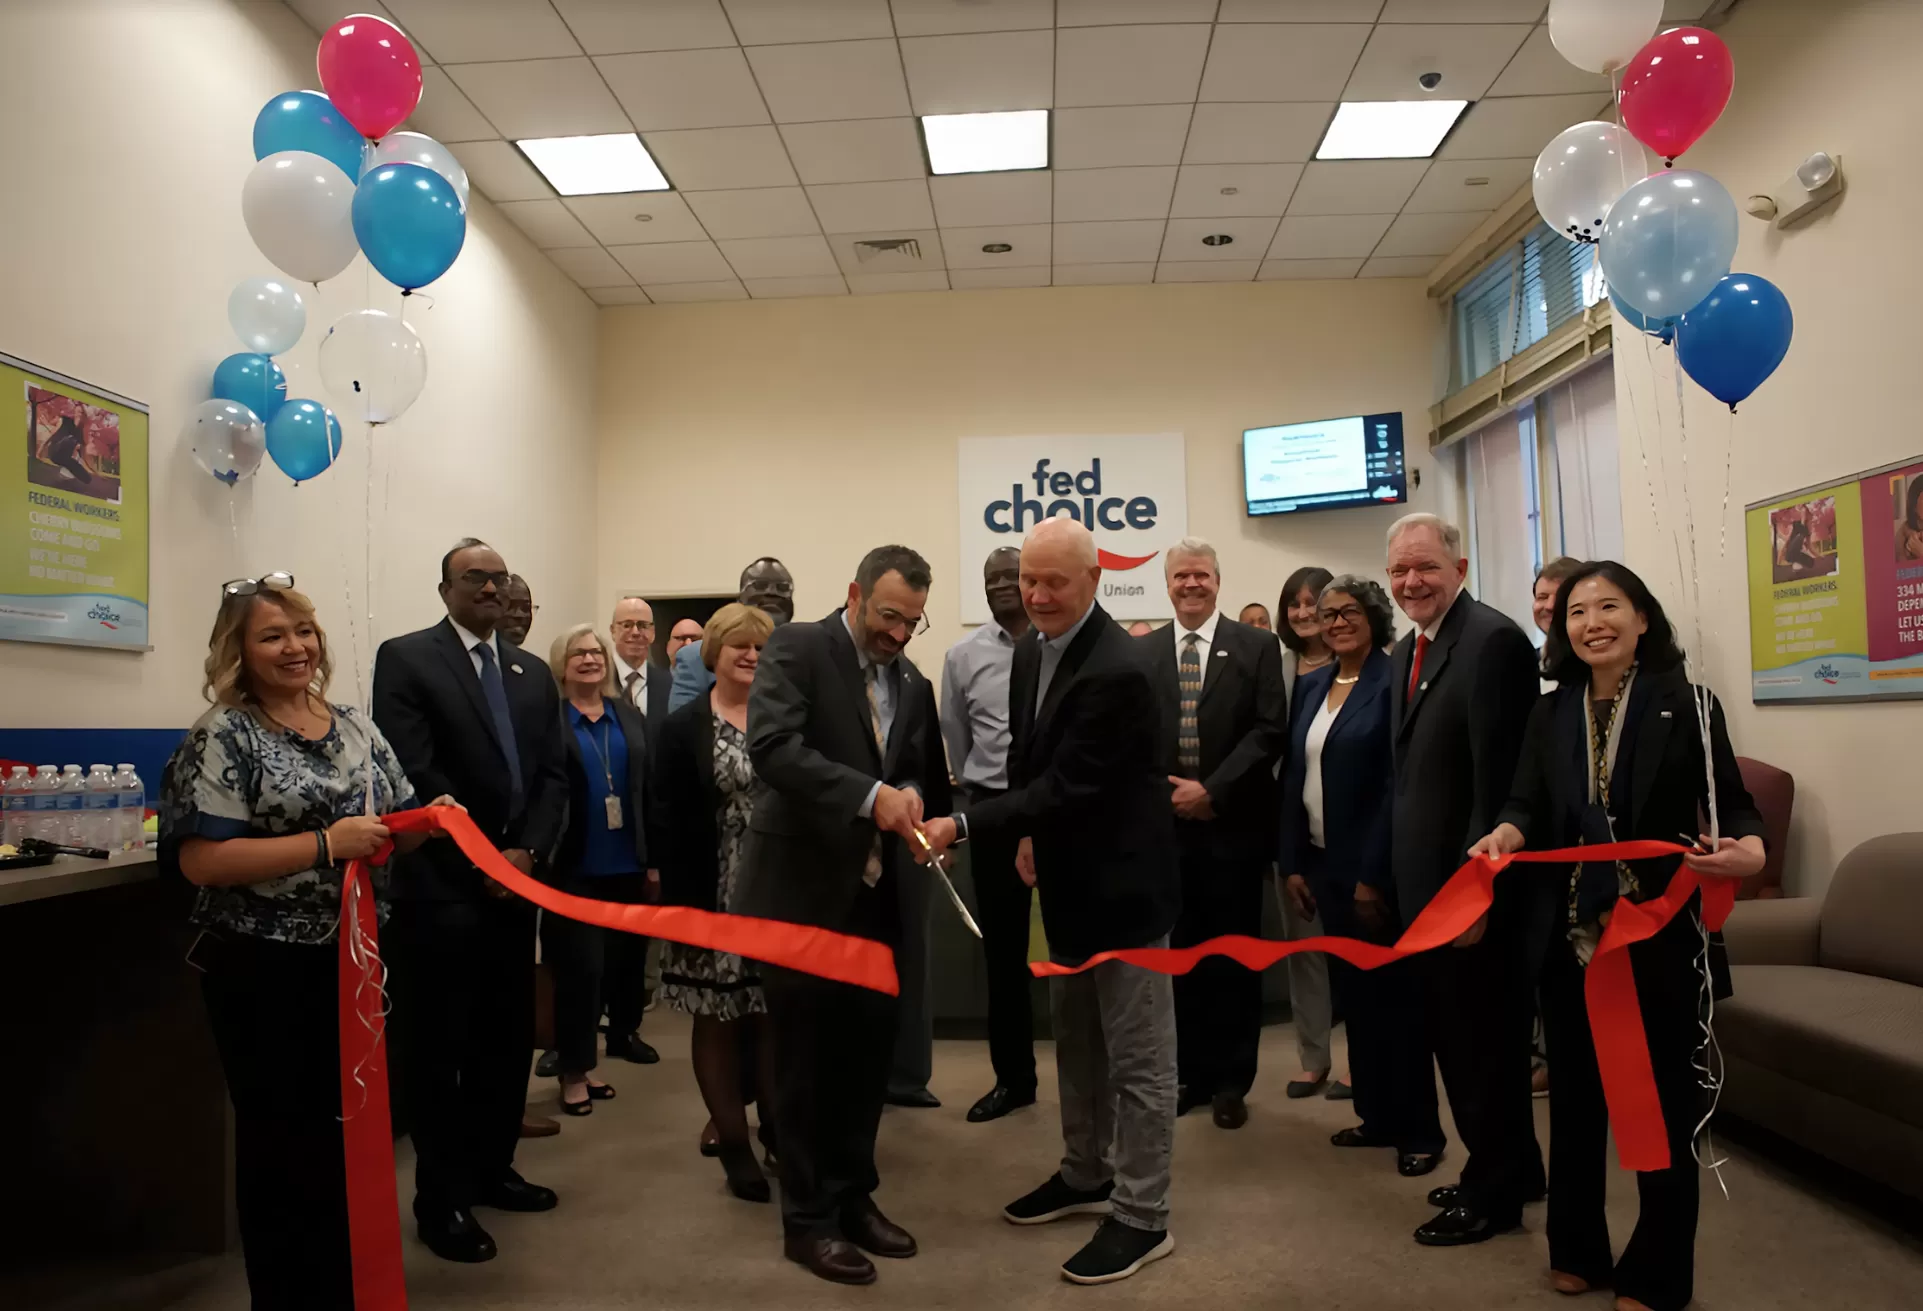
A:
<point x="1242" y="718"/>
<point x="1456" y="742"/>
<point x="1358" y="771"/>
<point x="637" y="815"/>
<point x="813" y="746"/>
<point x="1086" y="782"/>
<point x="686" y="805"/>
<point x="429" y="705"/>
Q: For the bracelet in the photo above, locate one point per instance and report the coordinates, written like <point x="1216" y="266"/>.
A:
<point x="327" y="847"/>
<point x="320" y="848"/>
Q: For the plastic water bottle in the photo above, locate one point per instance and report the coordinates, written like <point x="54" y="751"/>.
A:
<point x="18" y="797"/>
<point x="44" y="821"/>
<point x="133" y="809"/>
<point x="102" y="810"/>
<point x="73" y="806"/>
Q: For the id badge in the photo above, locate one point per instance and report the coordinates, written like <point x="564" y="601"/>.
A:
<point x="614" y="810"/>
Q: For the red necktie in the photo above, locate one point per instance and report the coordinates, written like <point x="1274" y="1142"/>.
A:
<point x="1415" y="665"/>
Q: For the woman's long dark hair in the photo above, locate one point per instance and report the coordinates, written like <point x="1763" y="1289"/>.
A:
<point x="1315" y="578"/>
<point x="1656" y="650"/>
<point x="1915" y="515"/>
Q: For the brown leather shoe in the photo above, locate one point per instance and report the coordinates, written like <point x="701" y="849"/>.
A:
<point x="539" y="1126"/>
<point x="835" y="1259"/>
<point x="874" y="1232"/>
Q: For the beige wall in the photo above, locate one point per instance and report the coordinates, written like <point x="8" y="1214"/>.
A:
<point x="1808" y="77"/>
<point x="125" y="131"/>
<point x="815" y="429"/>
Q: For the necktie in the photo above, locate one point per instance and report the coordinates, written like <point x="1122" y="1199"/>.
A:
<point x="1415" y="666"/>
<point x="871" y="872"/>
<point x="633" y="689"/>
<point x="496" y="693"/>
<point x="1188" y="735"/>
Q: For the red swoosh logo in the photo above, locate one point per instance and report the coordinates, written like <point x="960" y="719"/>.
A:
<point x="1110" y="560"/>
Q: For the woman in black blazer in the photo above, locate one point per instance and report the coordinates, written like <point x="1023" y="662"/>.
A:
<point x="1615" y="754"/>
<point x="1336" y="798"/>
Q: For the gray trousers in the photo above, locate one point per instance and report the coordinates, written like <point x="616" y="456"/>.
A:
<point x="914" y="1058"/>
<point x="1308" y="987"/>
<point x="1115" y="1064"/>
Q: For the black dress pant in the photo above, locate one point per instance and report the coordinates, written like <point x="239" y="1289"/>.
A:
<point x="273" y="1008"/>
<point x="594" y="968"/>
<point x="1658" y="1266"/>
<point x="1218" y="1004"/>
<point x="1005" y="905"/>
<point x="465" y="1015"/>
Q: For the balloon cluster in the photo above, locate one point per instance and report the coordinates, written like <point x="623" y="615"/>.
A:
<point x="1666" y="239"/>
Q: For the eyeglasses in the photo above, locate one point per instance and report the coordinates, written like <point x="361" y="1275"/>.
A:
<point x="894" y="619"/>
<point x="634" y="625"/>
<point x="779" y="586"/>
<point x="1348" y="614"/>
<point x="587" y="653"/>
<point x="479" y="578"/>
<point x="274" y="582"/>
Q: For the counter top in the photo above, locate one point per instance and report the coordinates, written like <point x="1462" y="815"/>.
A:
<point x="69" y="874"/>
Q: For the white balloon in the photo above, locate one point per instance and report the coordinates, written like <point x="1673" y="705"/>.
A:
<point x="299" y="210"/>
<point x="1601" y="35"/>
<point x="374" y="365"/>
<point x="227" y="439"/>
<point x="268" y="315"/>
<point x="1580" y="174"/>
<point x="416" y="148"/>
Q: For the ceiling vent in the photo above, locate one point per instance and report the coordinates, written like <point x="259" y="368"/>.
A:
<point x="882" y="254"/>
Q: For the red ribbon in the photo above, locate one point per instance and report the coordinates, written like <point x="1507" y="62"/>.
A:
<point x="1622" y="1048"/>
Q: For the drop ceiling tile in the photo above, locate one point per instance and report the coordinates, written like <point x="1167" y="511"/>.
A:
<point x="934" y="17"/>
<point x="1240" y="270"/>
<point x="1094" y="194"/>
<point x="980" y="73"/>
<point x="1289" y="270"/>
<point x="1028" y="246"/>
<point x="637" y="218"/>
<point x="673" y="261"/>
<point x="789" y="288"/>
<point x="1298" y="11"/>
<point x="1537" y="70"/>
<point x="829" y="80"/>
<point x="873" y="206"/>
<point x="323" y="14"/>
<point x="1155" y="65"/>
<point x="1088" y="275"/>
<point x="1515" y="127"/>
<point x="881" y="284"/>
<point x="1685" y="11"/>
<point x="1463" y="11"/>
<point x="1468" y="55"/>
<point x="772" y="22"/>
<point x="1257" y="134"/>
<point x="1088" y="13"/>
<point x="1249" y="239"/>
<point x="1120" y="135"/>
<point x="1356" y="186"/>
<point x="445" y="114"/>
<point x="780" y="257"/>
<point x="1258" y="188"/>
<point x="475" y="31"/>
<point x="906" y="252"/>
<point x="978" y="199"/>
<point x="979" y="279"/>
<point x="754" y="212"/>
<point x="1283" y="61"/>
<point x="1341" y="236"/>
<point x="542" y="97"/>
<point x="1433" y="235"/>
<point x="590" y="266"/>
<point x="722" y="158"/>
<point x="1399" y="266"/>
<point x="859" y="150"/>
<point x="678" y="293"/>
<point x="672" y="89"/>
<point x="548" y="223"/>
<point x="617" y="295"/>
<point x="612" y="27"/>
<point x="500" y="172"/>
<point x="1446" y="189"/>
<point x="1127" y="242"/>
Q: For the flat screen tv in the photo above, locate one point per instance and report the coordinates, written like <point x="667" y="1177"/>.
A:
<point x="1326" y="465"/>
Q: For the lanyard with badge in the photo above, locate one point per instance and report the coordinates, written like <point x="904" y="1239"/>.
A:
<point x="612" y="801"/>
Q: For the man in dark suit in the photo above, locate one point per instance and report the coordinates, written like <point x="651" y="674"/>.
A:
<point x="1461" y="691"/>
<point x="1224" y="727"/>
<point x="476" y="718"/>
<point x="846" y="753"/>
<point x="644" y="687"/>
<point x="1088" y="802"/>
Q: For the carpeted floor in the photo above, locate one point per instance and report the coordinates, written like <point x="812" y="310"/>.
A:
<point x="1269" y="1216"/>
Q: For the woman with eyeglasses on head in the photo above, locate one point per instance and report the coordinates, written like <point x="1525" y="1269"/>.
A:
<point x="272" y="793"/>
<point x="703" y="786"/>
<point x="605" y="855"/>
<point x="1614" y="754"/>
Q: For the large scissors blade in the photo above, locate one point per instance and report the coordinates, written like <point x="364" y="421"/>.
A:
<point x="961" y="907"/>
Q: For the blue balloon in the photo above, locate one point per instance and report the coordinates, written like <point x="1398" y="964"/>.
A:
<point x="1667" y="240"/>
<point x="308" y="120"/>
<point x="1736" y="337"/>
<point x="251" y="380"/>
<point x="1664" y="329"/>
<point x="304" y="439"/>
<point x="410" y="223"/>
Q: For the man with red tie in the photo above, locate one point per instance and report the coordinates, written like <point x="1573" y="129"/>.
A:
<point x="1462" y="687"/>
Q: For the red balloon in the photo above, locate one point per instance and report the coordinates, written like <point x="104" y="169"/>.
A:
<point x="1675" y="88"/>
<point x="371" y="72"/>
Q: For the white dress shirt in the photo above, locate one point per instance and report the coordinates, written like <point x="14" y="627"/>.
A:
<point x="1435" y="625"/>
<point x="1205" y="632"/>
<point x="469" y="642"/>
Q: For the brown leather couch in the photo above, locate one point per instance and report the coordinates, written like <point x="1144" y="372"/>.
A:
<point x="1823" y="1039"/>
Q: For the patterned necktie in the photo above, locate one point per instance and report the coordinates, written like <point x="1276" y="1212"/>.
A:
<point x="496" y="693"/>
<point x="1188" y="736"/>
<point x="634" y="690"/>
<point x="871" y="872"/>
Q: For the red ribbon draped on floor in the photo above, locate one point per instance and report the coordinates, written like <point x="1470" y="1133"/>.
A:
<point x="1622" y="1048"/>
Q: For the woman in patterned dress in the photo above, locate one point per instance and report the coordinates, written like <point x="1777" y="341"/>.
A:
<point x="703" y="798"/>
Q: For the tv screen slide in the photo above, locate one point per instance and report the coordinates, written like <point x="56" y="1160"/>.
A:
<point x="1325" y="465"/>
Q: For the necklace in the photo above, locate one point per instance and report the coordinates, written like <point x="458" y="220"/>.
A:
<point x="1340" y="681"/>
<point x="289" y="728"/>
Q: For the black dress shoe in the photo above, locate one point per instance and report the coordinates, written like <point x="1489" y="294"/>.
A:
<point x="1300" y="1088"/>
<point x="835" y="1259"/>
<point x="998" y="1102"/>
<point x="630" y="1047"/>
<point x="454" y="1235"/>
<point x="1461" y="1225"/>
<point x="1451" y="1194"/>
<point x="920" y="1099"/>
<point x="1187" y="1099"/>
<point x="875" y="1233"/>
<point x="513" y="1193"/>
<point x="548" y="1066"/>
<point x="1356" y="1136"/>
<point x="1413" y="1165"/>
<point x="745" y="1179"/>
<point x="1230" y="1111"/>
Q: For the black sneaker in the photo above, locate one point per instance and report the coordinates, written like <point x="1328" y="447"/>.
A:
<point x="1055" y="1199"/>
<point x="1116" y="1252"/>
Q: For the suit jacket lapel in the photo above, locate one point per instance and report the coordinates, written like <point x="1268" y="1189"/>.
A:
<point x="1371" y="683"/>
<point x="461" y="663"/>
<point x="1220" y="660"/>
<point x="1436" y="658"/>
<point x="1647" y="734"/>
<point x="905" y="697"/>
<point x="1071" y="661"/>
<point x="848" y="662"/>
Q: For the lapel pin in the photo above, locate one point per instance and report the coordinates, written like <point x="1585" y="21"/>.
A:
<point x="515" y="668"/>
<point x="1666" y="715"/>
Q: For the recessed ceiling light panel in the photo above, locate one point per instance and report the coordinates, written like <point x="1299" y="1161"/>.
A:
<point x="986" y="143"/>
<point x="595" y="166"/>
<point x="1389" y="129"/>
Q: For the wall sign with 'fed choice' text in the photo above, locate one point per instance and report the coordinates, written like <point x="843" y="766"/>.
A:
<point x="1131" y="491"/>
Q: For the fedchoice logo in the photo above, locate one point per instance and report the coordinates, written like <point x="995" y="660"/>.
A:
<point x="1020" y="512"/>
<point x="105" y="615"/>
<point x="1828" y="673"/>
